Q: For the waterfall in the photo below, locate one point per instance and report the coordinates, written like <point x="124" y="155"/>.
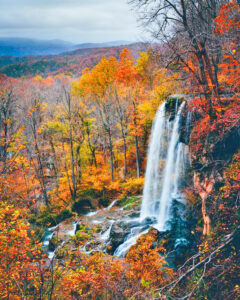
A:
<point x="163" y="178"/>
<point x="163" y="167"/>
<point x="130" y="240"/>
<point x="163" y="204"/>
<point x="177" y="169"/>
<point x="72" y="231"/>
<point x="151" y="190"/>
<point x="106" y="234"/>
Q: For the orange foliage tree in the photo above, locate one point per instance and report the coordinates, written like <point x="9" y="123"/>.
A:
<point x="100" y="275"/>
<point x="19" y="268"/>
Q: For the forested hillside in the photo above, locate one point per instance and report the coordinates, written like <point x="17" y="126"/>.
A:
<point x="71" y="63"/>
<point x="120" y="166"/>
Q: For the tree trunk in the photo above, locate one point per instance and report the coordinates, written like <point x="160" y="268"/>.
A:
<point x="110" y="152"/>
<point x="39" y="170"/>
<point x="79" y="172"/>
<point x="124" y="148"/>
<point x="73" y="177"/>
<point x="137" y="157"/>
<point x="55" y="165"/>
<point x="122" y="114"/>
<point x="91" y="147"/>
<point x="136" y="141"/>
<point x="125" y="156"/>
<point x="206" y="218"/>
<point x="204" y="189"/>
<point x="66" y="170"/>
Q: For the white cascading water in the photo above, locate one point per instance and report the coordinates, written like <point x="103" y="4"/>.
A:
<point x="152" y="177"/>
<point x="180" y="152"/>
<point x="162" y="174"/>
<point x="165" y="162"/>
<point x="72" y="231"/>
<point x="130" y="240"/>
<point x="106" y="234"/>
<point x="164" y="203"/>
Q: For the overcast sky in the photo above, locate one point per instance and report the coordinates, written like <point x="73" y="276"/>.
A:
<point x="71" y="20"/>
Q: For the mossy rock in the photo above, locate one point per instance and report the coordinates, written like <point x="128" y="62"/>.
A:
<point x="92" y="198"/>
<point x="48" y="218"/>
<point x="129" y="202"/>
<point x="97" y="229"/>
<point x="171" y="102"/>
<point x="83" y="234"/>
<point x="81" y="227"/>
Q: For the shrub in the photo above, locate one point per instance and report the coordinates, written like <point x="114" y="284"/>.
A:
<point x="133" y="186"/>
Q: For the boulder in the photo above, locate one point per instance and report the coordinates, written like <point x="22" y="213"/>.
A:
<point x="118" y="233"/>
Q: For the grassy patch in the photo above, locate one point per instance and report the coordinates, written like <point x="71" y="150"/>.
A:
<point x="129" y="202"/>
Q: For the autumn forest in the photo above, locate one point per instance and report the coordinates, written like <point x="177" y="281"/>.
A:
<point x="120" y="165"/>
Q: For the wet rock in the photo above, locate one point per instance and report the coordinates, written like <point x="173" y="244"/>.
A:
<point x="171" y="102"/>
<point x="181" y="248"/>
<point x="105" y="226"/>
<point x="148" y="221"/>
<point x="136" y="222"/>
<point x="133" y="214"/>
<point x="118" y="233"/>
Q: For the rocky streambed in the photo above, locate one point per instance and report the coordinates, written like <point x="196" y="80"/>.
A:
<point x="114" y="230"/>
<point x="101" y="230"/>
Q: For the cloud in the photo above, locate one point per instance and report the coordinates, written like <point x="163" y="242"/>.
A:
<point x="73" y="20"/>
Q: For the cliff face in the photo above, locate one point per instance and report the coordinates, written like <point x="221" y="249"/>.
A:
<point x="213" y="144"/>
<point x="210" y="260"/>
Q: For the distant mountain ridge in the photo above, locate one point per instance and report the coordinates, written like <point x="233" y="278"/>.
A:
<point x="23" y="46"/>
<point x="71" y="62"/>
<point x="102" y="45"/>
